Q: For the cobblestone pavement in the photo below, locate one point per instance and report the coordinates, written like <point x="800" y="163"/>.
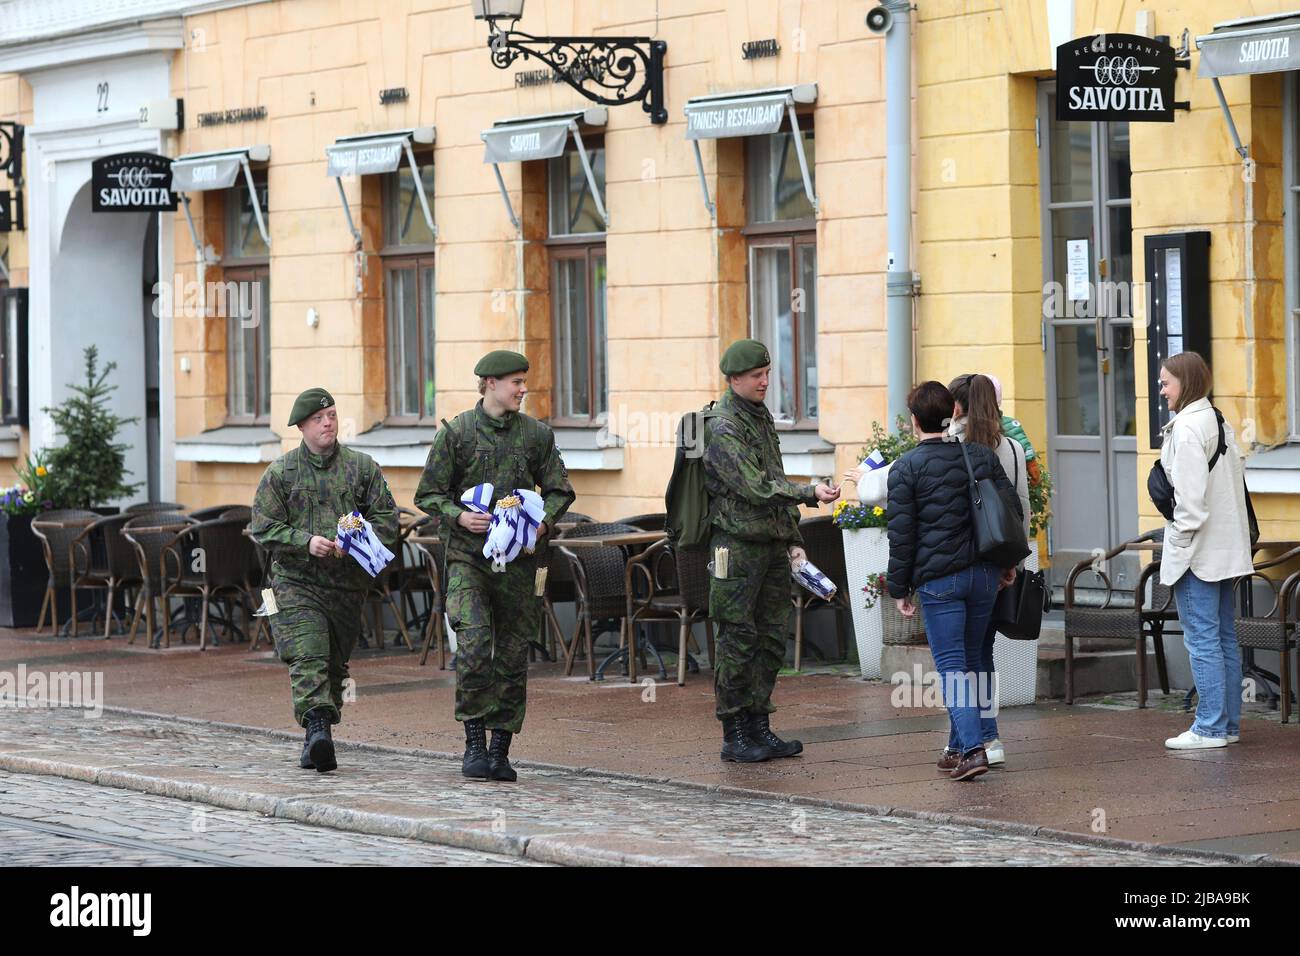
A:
<point x="49" y="821"/>
<point x="552" y="815"/>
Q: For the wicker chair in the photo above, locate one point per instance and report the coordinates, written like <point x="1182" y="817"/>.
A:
<point x="57" y="530"/>
<point x="170" y="507"/>
<point x="670" y="584"/>
<point x="1122" y="623"/>
<point x="223" y="570"/>
<point x="824" y="545"/>
<point x="1275" y="630"/>
<point x="150" y="534"/>
<point x="388" y="586"/>
<point x="599" y="595"/>
<point x="103" y="559"/>
<point x="215" y="512"/>
<point x="647" y="522"/>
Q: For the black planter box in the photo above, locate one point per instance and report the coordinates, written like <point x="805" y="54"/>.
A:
<point x="22" y="572"/>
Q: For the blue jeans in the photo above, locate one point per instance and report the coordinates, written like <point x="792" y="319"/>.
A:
<point x="1205" y="609"/>
<point x="957" y="611"/>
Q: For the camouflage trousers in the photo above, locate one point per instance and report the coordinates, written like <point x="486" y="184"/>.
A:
<point x="752" y="609"/>
<point x="315" y="631"/>
<point x="494" y="617"/>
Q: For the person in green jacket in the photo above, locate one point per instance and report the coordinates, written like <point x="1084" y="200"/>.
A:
<point x="754" y="519"/>
<point x="318" y="592"/>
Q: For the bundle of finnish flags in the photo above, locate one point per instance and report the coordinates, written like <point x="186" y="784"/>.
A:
<point x="358" y="539"/>
<point x="808" y="575"/>
<point x="873" y="486"/>
<point x="515" y="521"/>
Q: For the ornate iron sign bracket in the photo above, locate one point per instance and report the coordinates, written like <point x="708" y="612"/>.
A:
<point x="612" y="71"/>
<point x="11" y="150"/>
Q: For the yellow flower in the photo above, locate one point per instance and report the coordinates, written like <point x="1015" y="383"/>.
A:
<point x="877" y="511"/>
<point x="839" y="508"/>
<point x="41" y="472"/>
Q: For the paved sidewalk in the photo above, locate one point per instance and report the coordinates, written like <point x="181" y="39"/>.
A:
<point x="552" y="815"/>
<point x="1068" y="768"/>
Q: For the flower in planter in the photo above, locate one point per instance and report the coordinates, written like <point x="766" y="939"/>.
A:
<point x="876" y="587"/>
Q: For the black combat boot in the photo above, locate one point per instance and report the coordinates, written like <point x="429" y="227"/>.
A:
<point x="475" y="763"/>
<point x="737" y="744"/>
<point x="761" y="732"/>
<point x="319" y="747"/>
<point x="499" y="757"/>
<point x="305" y="762"/>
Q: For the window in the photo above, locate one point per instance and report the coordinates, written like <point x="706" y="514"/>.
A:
<point x="782" y="240"/>
<point x="409" y="291"/>
<point x="243" y="237"/>
<point x="248" y="345"/>
<point x="246" y="303"/>
<point x="578" y="285"/>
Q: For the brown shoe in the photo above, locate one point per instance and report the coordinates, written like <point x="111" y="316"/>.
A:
<point x="972" y="764"/>
<point x="948" y="760"/>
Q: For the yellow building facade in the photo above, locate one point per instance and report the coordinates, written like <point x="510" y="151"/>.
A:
<point x="625" y="304"/>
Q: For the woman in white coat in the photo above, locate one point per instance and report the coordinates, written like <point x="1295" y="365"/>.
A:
<point x="1206" y="548"/>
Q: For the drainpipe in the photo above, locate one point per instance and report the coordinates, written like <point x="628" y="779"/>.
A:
<point x="899" y="284"/>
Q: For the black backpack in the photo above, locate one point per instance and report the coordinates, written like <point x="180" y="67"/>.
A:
<point x="1161" y="489"/>
<point x="687" y="500"/>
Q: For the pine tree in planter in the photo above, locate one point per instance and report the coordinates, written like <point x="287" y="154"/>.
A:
<point x="89" y="468"/>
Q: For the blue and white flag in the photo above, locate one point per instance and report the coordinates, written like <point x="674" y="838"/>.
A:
<point x="806" y="573"/>
<point x="873" y="461"/>
<point x="516" y="518"/>
<point x="358" y="539"/>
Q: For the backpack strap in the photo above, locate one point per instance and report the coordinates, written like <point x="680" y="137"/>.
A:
<point x="1223" y="441"/>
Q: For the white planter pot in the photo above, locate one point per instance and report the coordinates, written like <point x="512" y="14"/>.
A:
<point x="1016" y="662"/>
<point x="866" y="551"/>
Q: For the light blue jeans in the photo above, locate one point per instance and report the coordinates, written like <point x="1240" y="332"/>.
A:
<point x="1205" y="609"/>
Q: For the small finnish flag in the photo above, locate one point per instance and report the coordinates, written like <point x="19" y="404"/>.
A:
<point x="874" y="460"/>
<point x="516" y="519"/>
<point x="358" y="539"/>
<point x="478" y="498"/>
<point x="808" y="575"/>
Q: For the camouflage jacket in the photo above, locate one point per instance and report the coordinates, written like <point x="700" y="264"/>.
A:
<point x="514" y="451"/>
<point x="749" y="495"/>
<point x="302" y="495"/>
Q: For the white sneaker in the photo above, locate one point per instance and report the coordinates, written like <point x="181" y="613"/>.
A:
<point x="1233" y="738"/>
<point x="997" y="756"/>
<point x="1191" y="741"/>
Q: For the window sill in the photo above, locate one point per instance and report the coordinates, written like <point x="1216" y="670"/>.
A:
<point x="805" y="454"/>
<point x="396" y="446"/>
<point x="589" y="449"/>
<point x="1275" y="471"/>
<point x="231" y="444"/>
<point x="9" y="440"/>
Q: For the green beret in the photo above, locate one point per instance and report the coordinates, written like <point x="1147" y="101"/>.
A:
<point x="744" y="355"/>
<point x="500" y="363"/>
<point x="309" y="403"/>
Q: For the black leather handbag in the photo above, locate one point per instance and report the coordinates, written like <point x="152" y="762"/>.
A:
<point x="999" y="534"/>
<point x="1019" y="608"/>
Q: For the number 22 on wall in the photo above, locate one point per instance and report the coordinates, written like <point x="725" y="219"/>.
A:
<point x="102" y="103"/>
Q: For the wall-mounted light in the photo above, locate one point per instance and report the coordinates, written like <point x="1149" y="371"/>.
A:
<point x="185" y="364"/>
<point x="313" y="318"/>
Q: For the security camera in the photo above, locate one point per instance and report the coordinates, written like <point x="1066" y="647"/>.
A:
<point x="879" y="20"/>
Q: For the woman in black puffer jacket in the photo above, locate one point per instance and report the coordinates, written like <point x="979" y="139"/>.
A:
<point x="932" y="552"/>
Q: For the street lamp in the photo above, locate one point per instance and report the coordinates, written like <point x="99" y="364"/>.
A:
<point x="612" y="71"/>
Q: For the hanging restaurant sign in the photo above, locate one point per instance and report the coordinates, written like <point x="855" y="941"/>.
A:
<point x="1115" y="77"/>
<point x="11" y="212"/>
<point x="132" y="182"/>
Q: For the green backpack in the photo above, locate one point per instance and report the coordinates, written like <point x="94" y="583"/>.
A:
<point x="687" y="500"/>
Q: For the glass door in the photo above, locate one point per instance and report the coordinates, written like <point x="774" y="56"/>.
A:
<point x="1088" y="335"/>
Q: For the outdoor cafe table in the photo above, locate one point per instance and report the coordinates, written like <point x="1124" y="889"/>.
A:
<point x="630" y="539"/>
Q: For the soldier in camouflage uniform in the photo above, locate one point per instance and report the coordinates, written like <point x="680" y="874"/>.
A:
<point x="318" y="591"/>
<point x="754" y="515"/>
<point x="494" y="615"/>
